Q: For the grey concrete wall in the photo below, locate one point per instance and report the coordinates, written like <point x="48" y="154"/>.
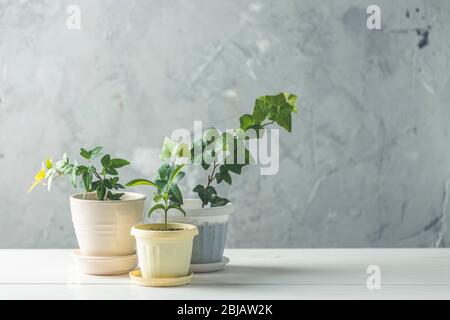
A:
<point x="366" y="166"/>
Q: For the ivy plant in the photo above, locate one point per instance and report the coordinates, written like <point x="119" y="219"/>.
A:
<point x="104" y="181"/>
<point x="167" y="194"/>
<point x="220" y="153"/>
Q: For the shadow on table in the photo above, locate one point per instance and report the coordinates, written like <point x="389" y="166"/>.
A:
<point x="312" y="274"/>
<point x="255" y="275"/>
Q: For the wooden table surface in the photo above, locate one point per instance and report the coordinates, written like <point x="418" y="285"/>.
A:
<point x="251" y="274"/>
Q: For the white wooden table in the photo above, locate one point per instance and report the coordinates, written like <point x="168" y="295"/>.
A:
<point x="251" y="274"/>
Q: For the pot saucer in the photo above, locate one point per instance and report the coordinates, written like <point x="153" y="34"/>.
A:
<point x="104" y="266"/>
<point x="136" y="277"/>
<point x="210" y="267"/>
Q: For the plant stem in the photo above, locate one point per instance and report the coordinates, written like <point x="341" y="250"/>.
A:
<point x="165" y="214"/>
<point x="211" y="178"/>
<point x="268" y="123"/>
<point x="165" y="220"/>
<point x="98" y="176"/>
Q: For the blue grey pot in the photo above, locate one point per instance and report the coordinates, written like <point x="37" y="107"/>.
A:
<point x="212" y="226"/>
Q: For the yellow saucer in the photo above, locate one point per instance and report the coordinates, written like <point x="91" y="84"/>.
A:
<point x="136" y="277"/>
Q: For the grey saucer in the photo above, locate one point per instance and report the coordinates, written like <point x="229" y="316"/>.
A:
<point x="210" y="267"/>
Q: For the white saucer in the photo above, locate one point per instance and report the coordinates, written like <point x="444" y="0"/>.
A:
<point x="136" y="277"/>
<point x="210" y="267"/>
<point x="104" y="266"/>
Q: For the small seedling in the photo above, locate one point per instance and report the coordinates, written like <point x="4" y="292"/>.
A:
<point x="167" y="194"/>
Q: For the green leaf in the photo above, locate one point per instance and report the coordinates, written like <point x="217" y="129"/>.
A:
<point x="67" y="169"/>
<point x="164" y="171"/>
<point x="174" y="206"/>
<point x="205" y="165"/>
<point x="284" y="119"/>
<point x="105" y="160"/>
<point x="218" y="177"/>
<point x="167" y="148"/>
<point x="85" y="154"/>
<point x="217" y="201"/>
<point x="81" y="170"/>
<point x="175" y="173"/>
<point x="108" y="184"/>
<point x="95" y="152"/>
<point x="156" y="207"/>
<point x="101" y="191"/>
<point x="73" y="176"/>
<point x="246" y="121"/>
<point x="235" y="168"/>
<point x="227" y="178"/>
<point x="178" y="177"/>
<point x="111" y="171"/>
<point x="198" y="188"/>
<point x="157" y="198"/>
<point x="210" y="192"/>
<point x="118" y="163"/>
<point x="141" y="182"/>
<point x="87" y="180"/>
<point x="161" y="185"/>
<point x="175" y="194"/>
<point x="277" y="108"/>
<point x="292" y="100"/>
<point x="225" y="175"/>
<point x="114" y="196"/>
<point x="95" y="185"/>
<point x="260" y="110"/>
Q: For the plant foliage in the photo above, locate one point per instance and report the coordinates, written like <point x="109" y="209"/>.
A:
<point x="104" y="181"/>
<point x="226" y="154"/>
<point x="167" y="194"/>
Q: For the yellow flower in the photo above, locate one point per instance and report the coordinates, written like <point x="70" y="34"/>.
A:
<point x="48" y="164"/>
<point x="40" y="176"/>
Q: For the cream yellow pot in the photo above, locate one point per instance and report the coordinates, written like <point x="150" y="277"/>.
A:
<point x="164" y="254"/>
<point x="103" y="227"/>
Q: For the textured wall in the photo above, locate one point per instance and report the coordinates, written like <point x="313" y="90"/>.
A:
<point x="366" y="166"/>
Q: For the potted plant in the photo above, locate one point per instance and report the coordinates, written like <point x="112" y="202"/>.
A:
<point x="164" y="249"/>
<point x="102" y="214"/>
<point x="222" y="155"/>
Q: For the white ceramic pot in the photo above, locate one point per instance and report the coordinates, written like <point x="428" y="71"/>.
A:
<point x="212" y="226"/>
<point x="103" y="227"/>
<point x="164" y="254"/>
